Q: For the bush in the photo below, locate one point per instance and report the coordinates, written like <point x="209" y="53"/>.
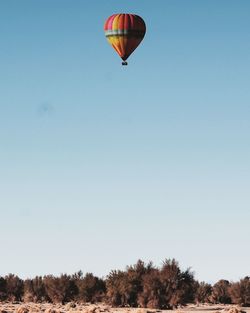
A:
<point x="116" y="288"/>
<point x="240" y="292"/>
<point x="178" y="286"/>
<point x="152" y="295"/>
<point x="140" y="284"/>
<point x="38" y="288"/>
<point x="34" y="290"/>
<point x="14" y="287"/>
<point x="203" y="292"/>
<point x="3" y="292"/>
<point x="220" y="292"/>
<point x="125" y="287"/>
<point x="90" y="288"/>
<point x="60" y="289"/>
<point x="150" y="287"/>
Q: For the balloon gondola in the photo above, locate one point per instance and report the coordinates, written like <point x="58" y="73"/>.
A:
<point x="124" y="32"/>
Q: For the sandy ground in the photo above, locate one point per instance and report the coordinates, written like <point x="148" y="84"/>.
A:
<point x="8" y="307"/>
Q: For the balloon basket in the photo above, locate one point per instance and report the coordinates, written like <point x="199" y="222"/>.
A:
<point x="124" y="63"/>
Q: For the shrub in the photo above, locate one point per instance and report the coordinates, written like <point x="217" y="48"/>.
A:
<point x="178" y="286"/>
<point x="115" y="283"/>
<point x="240" y="292"/>
<point x="152" y="295"/>
<point x="38" y="288"/>
<point x="34" y="290"/>
<point x="3" y="293"/>
<point x="168" y="287"/>
<point x="203" y="292"/>
<point x="90" y="288"/>
<point x="132" y="285"/>
<point x="220" y="292"/>
<point x="14" y="287"/>
<point x="22" y="309"/>
<point x="59" y="289"/>
<point x="124" y="287"/>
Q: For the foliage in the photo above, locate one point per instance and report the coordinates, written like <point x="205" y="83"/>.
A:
<point x="60" y="289"/>
<point x="146" y="286"/>
<point x="3" y="292"/>
<point x="34" y="290"/>
<point x="14" y="287"/>
<point x="240" y="292"/>
<point x="89" y="288"/>
<point x="139" y="285"/>
<point x="203" y="292"/>
<point x="220" y="292"/>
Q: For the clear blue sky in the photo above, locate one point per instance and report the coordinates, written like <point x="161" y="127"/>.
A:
<point x="102" y="164"/>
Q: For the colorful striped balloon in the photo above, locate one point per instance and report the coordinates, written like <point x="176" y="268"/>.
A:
<point x="124" y="32"/>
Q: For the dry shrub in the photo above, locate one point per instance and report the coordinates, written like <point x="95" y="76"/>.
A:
<point x="166" y="287"/>
<point x="90" y="288"/>
<point x="70" y="305"/>
<point x="240" y="292"/>
<point x="3" y="293"/>
<point x="22" y="309"/>
<point x="14" y="287"/>
<point x="28" y="297"/>
<point x="91" y="310"/>
<point x="34" y="290"/>
<point x="35" y="310"/>
<point x="203" y="292"/>
<point x="105" y="309"/>
<point x="59" y="289"/>
<point x="51" y="310"/>
<point x="234" y="309"/>
<point x="125" y="287"/>
<point x="220" y="292"/>
<point x="178" y="312"/>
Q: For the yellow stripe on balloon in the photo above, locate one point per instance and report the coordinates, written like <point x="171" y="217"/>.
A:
<point x="115" y="22"/>
<point x="115" y="42"/>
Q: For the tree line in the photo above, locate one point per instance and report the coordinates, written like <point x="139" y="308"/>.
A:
<point x="139" y="285"/>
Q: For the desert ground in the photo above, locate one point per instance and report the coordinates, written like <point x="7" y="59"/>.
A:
<point x="8" y="307"/>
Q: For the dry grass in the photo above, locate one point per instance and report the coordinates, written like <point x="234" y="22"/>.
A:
<point x="22" y="309"/>
<point x="72" y="307"/>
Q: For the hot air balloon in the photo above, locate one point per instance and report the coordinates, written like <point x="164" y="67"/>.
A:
<point x="124" y="32"/>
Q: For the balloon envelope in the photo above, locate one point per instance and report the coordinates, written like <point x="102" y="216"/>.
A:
<point x="124" y="32"/>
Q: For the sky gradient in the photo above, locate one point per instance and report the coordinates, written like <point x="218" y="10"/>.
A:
<point x="102" y="164"/>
